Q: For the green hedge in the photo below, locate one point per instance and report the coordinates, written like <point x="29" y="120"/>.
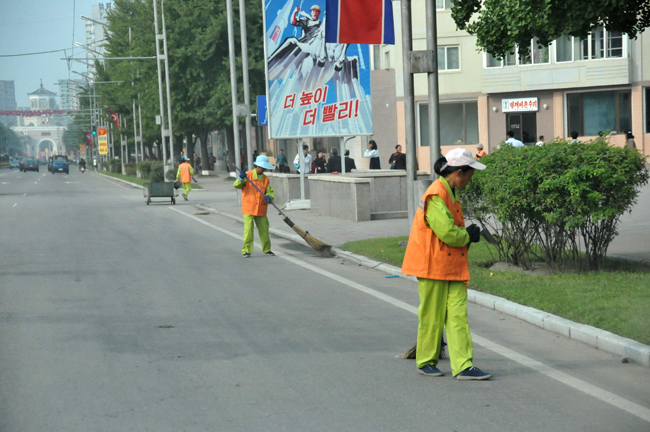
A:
<point x="129" y="169"/>
<point x="114" y="166"/>
<point x="560" y="203"/>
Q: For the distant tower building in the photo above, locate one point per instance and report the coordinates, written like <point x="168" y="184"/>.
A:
<point x="96" y="33"/>
<point x="68" y="95"/>
<point x="7" y="95"/>
<point x="8" y="101"/>
<point x="42" y="99"/>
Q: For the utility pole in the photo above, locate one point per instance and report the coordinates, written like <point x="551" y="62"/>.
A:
<point x="247" y="99"/>
<point x="159" y="58"/>
<point x="409" y="109"/>
<point x="233" y="81"/>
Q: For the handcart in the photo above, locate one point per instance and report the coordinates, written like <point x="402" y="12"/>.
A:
<point x="160" y="190"/>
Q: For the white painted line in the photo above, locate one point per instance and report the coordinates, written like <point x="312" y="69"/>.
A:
<point x="111" y="182"/>
<point x="25" y="194"/>
<point x="578" y="384"/>
<point x="15" y="205"/>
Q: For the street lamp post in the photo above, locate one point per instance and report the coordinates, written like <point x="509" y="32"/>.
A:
<point x="163" y="57"/>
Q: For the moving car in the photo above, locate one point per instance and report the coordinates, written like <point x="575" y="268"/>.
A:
<point x="14" y="164"/>
<point x="60" y="165"/>
<point x="30" y="165"/>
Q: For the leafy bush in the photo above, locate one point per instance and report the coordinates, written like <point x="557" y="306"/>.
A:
<point x="171" y="173"/>
<point x="145" y="168"/>
<point x="157" y="173"/>
<point x="129" y="169"/>
<point x="114" y="166"/>
<point x="559" y="202"/>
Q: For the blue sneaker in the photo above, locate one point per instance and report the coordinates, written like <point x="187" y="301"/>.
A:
<point x="430" y="370"/>
<point x="473" y="373"/>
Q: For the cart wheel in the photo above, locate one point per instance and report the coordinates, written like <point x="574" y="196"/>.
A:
<point x="173" y="201"/>
<point x="148" y="201"/>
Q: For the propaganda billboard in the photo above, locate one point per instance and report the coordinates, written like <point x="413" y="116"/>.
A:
<point x="314" y="88"/>
<point x="102" y="141"/>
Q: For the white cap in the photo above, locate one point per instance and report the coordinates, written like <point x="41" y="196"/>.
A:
<point x="460" y="157"/>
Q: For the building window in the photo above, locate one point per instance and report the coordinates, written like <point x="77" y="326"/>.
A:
<point x="601" y="44"/>
<point x="376" y="57"/>
<point x="448" y="58"/>
<point x="458" y="123"/>
<point x="566" y="49"/>
<point x="591" y="113"/>
<point x="444" y="4"/>
<point x="647" y="110"/>
<point x="538" y="55"/>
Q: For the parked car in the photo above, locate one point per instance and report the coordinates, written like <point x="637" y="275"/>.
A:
<point x="60" y="165"/>
<point x="14" y="163"/>
<point x="30" y="165"/>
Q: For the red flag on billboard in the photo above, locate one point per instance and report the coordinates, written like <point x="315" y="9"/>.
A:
<point x="115" y="119"/>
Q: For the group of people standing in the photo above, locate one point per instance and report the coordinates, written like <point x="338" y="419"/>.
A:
<point x="320" y="165"/>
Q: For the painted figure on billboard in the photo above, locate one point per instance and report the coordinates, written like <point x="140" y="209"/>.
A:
<point x="315" y="88"/>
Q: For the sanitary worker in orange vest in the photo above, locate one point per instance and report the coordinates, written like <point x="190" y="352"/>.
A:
<point x="254" y="204"/>
<point x="437" y="255"/>
<point x="186" y="174"/>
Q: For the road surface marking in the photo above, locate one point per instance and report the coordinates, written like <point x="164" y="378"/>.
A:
<point x="576" y="383"/>
<point x="15" y="205"/>
<point x="111" y="182"/>
<point x="25" y="194"/>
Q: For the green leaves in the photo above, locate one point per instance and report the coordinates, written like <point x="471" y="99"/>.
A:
<point x="556" y="201"/>
<point x="501" y="24"/>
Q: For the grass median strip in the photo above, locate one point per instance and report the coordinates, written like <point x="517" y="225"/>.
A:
<point x="138" y="181"/>
<point x="616" y="299"/>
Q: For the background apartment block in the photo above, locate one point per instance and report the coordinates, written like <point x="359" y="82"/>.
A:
<point x="594" y="85"/>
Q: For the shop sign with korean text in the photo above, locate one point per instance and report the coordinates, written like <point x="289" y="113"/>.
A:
<point x="314" y="88"/>
<point x="522" y="104"/>
<point x="102" y="141"/>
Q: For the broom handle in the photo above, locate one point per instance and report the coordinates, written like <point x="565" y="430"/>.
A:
<point x="260" y="191"/>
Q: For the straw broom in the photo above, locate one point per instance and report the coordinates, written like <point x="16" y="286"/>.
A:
<point x="313" y="242"/>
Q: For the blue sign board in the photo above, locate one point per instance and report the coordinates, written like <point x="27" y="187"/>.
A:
<point x="262" y="112"/>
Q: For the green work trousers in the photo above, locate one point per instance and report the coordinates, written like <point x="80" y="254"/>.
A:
<point x="187" y="187"/>
<point x="262" y="223"/>
<point x="443" y="304"/>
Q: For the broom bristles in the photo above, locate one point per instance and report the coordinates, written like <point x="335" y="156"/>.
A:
<point x="312" y="241"/>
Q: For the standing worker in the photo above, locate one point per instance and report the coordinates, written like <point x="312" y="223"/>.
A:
<point x="479" y="152"/>
<point x="186" y="174"/>
<point x="437" y="255"/>
<point x="254" y="204"/>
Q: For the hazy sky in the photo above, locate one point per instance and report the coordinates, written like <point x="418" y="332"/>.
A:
<point x="28" y="26"/>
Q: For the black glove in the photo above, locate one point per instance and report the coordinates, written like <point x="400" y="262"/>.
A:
<point x="474" y="233"/>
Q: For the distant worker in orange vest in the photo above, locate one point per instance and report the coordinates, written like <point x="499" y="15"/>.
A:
<point x="479" y="152"/>
<point x="254" y="204"/>
<point x="186" y="174"/>
<point x="437" y="255"/>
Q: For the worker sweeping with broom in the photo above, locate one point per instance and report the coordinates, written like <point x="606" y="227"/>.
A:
<point x="256" y="194"/>
<point x="437" y="255"/>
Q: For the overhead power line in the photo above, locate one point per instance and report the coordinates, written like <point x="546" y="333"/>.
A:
<point x="28" y="54"/>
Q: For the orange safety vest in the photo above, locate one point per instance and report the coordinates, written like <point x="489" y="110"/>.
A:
<point x="480" y="154"/>
<point x="186" y="175"/>
<point x="252" y="202"/>
<point x="426" y="255"/>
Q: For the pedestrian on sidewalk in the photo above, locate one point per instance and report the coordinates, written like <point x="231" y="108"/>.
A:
<point x="373" y="154"/>
<point x="437" y="255"/>
<point x="254" y="204"/>
<point x="281" y="162"/>
<point x="320" y="164"/>
<point x="397" y="160"/>
<point x="186" y="174"/>
<point x="334" y="162"/>
<point x="349" y="162"/>
<point x="307" y="158"/>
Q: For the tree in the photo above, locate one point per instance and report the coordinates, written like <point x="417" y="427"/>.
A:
<point x="500" y="25"/>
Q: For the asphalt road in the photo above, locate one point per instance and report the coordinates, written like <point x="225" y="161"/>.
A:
<point x="118" y="316"/>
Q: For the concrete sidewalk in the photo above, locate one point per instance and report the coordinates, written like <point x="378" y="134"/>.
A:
<point x="336" y="232"/>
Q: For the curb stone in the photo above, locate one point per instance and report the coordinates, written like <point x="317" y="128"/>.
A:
<point x="135" y="185"/>
<point x="592" y="336"/>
